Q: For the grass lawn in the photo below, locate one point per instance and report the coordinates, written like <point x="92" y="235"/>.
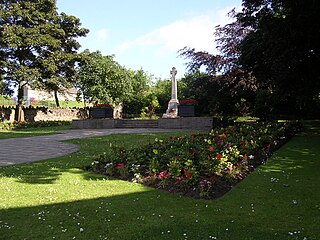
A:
<point x="30" y="132"/>
<point x="54" y="199"/>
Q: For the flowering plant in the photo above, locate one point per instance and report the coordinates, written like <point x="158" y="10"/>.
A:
<point x="188" y="102"/>
<point x="104" y="105"/>
<point x="199" y="165"/>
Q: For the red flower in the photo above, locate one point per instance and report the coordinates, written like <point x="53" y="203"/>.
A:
<point x="219" y="156"/>
<point x="103" y="105"/>
<point x="120" y="166"/>
<point x="188" y="102"/>
<point x="223" y="136"/>
<point x="187" y="174"/>
<point x="211" y="148"/>
<point x="181" y="179"/>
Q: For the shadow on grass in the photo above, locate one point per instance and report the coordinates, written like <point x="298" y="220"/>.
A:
<point x="148" y="215"/>
<point x="45" y="172"/>
<point x="30" y="132"/>
<point x="311" y="128"/>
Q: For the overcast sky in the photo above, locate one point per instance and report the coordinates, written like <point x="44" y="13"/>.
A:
<point x="148" y="34"/>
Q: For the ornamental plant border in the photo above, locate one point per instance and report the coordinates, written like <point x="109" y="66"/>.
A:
<point x="200" y="166"/>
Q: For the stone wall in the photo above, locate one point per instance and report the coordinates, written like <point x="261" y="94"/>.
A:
<point x="94" y="124"/>
<point x="44" y="114"/>
<point x="197" y="123"/>
<point x="54" y="114"/>
<point x="6" y="114"/>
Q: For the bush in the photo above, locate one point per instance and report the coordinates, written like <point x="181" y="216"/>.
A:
<point x="38" y="124"/>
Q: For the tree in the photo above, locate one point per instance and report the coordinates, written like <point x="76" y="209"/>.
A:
<point x="224" y="85"/>
<point x="283" y="52"/>
<point x="59" y="68"/>
<point x="31" y="33"/>
<point x="102" y="79"/>
<point x="270" y="53"/>
<point x="141" y="87"/>
<point x="162" y="90"/>
<point x="5" y="89"/>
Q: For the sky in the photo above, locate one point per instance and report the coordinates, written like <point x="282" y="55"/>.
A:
<point x="148" y="34"/>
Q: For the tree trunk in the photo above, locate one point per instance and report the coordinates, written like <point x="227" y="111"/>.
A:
<point x="18" y="115"/>
<point x="56" y="98"/>
<point x="84" y="101"/>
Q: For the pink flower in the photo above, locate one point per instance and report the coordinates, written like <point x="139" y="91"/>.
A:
<point x="164" y="174"/>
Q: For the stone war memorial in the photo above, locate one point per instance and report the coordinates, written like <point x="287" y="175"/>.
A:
<point x="172" y="111"/>
<point x="169" y="120"/>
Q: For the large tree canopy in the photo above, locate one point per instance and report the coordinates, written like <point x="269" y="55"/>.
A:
<point x="225" y="85"/>
<point x="36" y="43"/>
<point x="59" y="66"/>
<point x="271" y="50"/>
<point x="283" y="50"/>
<point x="102" y="79"/>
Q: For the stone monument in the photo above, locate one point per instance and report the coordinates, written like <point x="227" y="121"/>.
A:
<point x="172" y="110"/>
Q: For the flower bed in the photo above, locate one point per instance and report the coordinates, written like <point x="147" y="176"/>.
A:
<point x="201" y="166"/>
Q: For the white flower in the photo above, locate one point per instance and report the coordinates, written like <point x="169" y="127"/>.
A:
<point x="251" y="157"/>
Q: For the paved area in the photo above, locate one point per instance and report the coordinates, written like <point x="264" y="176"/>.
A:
<point x="21" y="150"/>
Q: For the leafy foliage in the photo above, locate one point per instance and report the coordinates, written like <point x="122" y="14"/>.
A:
<point x="224" y="85"/>
<point x="283" y="51"/>
<point x="268" y="58"/>
<point x="36" y="44"/>
<point x="102" y="79"/>
<point x="141" y="95"/>
<point x="38" y="124"/>
<point x="59" y="66"/>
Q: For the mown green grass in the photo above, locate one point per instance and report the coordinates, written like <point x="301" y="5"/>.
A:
<point x="31" y="132"/>
<point x="54" y="199"/>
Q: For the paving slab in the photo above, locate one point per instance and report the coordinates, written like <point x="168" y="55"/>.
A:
<point x="21" y="150"/>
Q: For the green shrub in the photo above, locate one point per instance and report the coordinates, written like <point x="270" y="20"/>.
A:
<point x="38" y="124"/>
